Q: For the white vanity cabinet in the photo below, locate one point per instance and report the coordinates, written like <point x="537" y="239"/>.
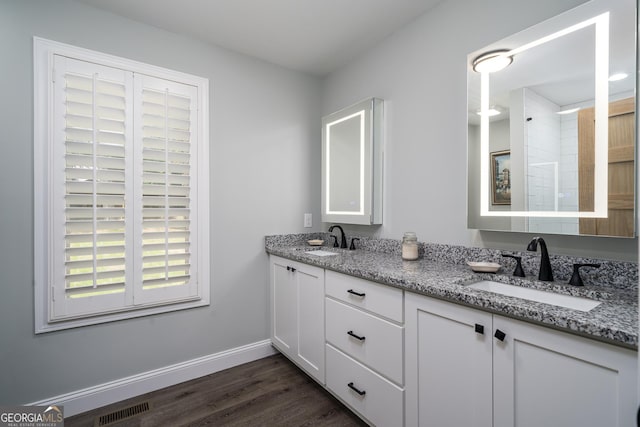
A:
<point x="364" y="347"/>
<point x="297" y="313"/>
<point x="543" y="377"/>
<point x="459" y="373"/>
<point x="448" y="360"/>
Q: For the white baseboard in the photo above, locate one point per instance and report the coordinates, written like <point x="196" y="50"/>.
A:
<point x="114" y="391"/>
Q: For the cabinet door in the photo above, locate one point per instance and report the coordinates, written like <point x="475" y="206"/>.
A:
<point x="283" y="306"/>
<point x="310" y="306"/>
<point x="297" y="313"/>
<point x="352" y="164"/>
<point x="544" y="377"/>
<point x="448" y="364"/>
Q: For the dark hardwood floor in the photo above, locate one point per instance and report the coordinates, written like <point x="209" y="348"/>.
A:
<point x="267" y="392"/>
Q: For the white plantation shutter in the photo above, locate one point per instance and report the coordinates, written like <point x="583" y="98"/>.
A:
<point x="167" y="144"/>
<point x="93" y="133"/>
<point x="121" y="184"/>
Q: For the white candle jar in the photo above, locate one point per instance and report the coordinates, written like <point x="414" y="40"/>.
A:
<point x="409" y="246"/>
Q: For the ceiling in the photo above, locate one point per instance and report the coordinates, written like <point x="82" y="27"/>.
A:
<point x="562" y="70"/>
<point x="312" y="36"/>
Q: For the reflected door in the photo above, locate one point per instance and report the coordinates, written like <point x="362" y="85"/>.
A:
<point x="621" y="174"/>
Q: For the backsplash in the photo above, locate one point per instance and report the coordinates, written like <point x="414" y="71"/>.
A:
<point x="618" y="274"/>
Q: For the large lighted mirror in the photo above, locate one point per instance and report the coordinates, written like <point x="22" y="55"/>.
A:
<point x="551" y="137"/>
<point x="352" y="164"/>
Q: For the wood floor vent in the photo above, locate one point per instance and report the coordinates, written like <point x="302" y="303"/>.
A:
<point x="122" y="414"/>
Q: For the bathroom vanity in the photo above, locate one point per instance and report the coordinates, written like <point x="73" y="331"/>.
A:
<point x="410" y="343"/>
<point x="468" y="367"/>
<point x="551" y="149"/>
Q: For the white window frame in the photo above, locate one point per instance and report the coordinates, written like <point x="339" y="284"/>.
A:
<point x="44" y="51"/>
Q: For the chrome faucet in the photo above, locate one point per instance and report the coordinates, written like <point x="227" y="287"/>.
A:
<point x="546" y="273"/>
<point x="343" y="241"/>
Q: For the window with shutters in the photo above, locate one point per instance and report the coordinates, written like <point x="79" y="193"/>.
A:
<point x="121" y="188"/>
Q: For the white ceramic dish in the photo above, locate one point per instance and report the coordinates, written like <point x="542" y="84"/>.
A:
<point x="315" y="242"/>
<point x="484" y="267"/>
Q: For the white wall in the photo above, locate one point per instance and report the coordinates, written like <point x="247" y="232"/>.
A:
<point x="420" y="72"/>
<point x="265" y="155"/>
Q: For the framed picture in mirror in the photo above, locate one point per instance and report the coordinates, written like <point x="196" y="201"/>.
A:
<point x="501" y="177"/>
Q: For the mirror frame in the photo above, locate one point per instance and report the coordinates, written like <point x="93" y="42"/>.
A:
<point x="370" y="112"/>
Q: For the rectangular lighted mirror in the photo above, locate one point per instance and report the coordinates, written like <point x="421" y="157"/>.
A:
<point x="551" y="141"/>
<point x="352" y="164"/>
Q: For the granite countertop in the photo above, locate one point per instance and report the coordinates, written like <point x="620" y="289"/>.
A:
<point x="614" y="321"/>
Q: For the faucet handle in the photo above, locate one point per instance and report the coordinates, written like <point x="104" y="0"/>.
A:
<point x="576" y="280"/>
<point x="335" y="241"/>
<point x="353" y="245"/>
<point x="519" y="272"/>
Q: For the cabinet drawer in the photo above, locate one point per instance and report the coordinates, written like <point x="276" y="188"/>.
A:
<point x="380" y="299"/>
<point x="371" y="340"/>
<point x="381" y="402"/>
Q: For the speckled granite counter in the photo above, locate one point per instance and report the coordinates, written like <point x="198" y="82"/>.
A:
<point x="614" y="321"/>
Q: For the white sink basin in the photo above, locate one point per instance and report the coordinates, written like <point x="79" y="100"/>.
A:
<point x="320" y="253"/>
<point x="567" y="301"/>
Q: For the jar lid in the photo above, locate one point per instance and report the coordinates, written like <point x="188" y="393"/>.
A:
<point x="409" y="235"/>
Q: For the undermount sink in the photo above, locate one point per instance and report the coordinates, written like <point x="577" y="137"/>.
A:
<point x="561" y="300"/>
<point x="320" y="252"/>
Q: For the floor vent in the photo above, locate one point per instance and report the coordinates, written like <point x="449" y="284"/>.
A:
<point x="122" y="414"/>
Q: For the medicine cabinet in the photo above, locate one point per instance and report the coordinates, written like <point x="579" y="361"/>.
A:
<point x="352" y="151"/>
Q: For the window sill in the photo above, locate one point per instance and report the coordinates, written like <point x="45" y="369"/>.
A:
<point x="43" y="327"/>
